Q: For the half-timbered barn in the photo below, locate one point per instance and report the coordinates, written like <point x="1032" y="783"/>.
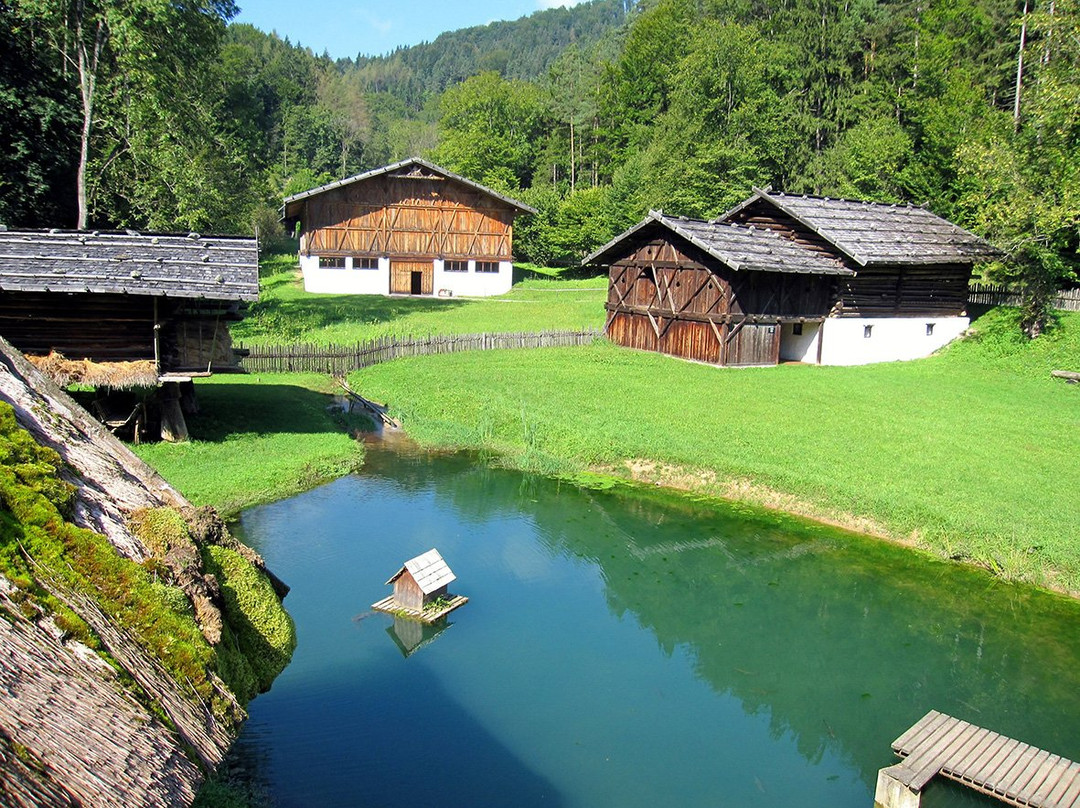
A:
<point x="126" y="310"/>
<point x="410" y="228"/>
<point x="908" y="295"/>
<point x="791" y="279"/>
<point x="712" y="292"/>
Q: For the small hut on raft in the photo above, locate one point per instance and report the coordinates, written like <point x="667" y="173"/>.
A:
<point x="127" y="310"/>
<point x="421" y="589"/>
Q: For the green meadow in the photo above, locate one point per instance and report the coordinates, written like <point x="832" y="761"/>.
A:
<point x="541" y="300"/>
<point x="973" y="454"/>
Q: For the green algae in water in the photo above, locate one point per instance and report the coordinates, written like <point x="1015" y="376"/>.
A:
<point x="629" y="647"/>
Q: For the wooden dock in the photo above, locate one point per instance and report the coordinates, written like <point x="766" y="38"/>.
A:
<point x="427" y="615"/>
<point x="1013" y="772"/>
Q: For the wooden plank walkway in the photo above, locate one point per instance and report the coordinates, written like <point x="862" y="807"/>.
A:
<point x="428" y="615"/>
<point x="992" y="764"/>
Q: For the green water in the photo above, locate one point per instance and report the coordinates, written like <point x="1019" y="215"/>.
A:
<point x="627" y="647"/>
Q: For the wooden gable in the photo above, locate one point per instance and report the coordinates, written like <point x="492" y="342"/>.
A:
<point x="669" y="294"/>
<point x="412" y="210"/>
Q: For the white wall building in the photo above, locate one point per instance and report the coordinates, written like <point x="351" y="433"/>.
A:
<point x="411" y="228"/>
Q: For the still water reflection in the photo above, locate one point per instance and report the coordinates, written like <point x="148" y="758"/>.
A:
<point x="626" y="648"/>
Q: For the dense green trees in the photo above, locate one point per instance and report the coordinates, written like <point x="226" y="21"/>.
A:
<point x="592" y="114"/>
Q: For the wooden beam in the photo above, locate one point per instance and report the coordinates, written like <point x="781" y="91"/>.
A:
<point x="696" y="317"/>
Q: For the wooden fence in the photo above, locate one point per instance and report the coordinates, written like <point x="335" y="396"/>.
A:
<point x="340" y="359"/>
<point x="992" y="294"/>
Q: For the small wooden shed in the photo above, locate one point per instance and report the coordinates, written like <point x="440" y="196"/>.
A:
<point x="421" y="580"/>
<point x="712" y="292"/>
<point x="127" y="310"/>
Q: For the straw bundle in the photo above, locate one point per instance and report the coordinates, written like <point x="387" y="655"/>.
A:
<point x="111" y="375"/>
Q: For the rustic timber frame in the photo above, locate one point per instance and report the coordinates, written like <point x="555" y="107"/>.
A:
<point x="127" y="297"/>
<point x="153" y="308"/>
<point x="791" y="278"/>
<point x="716" y="293"/>
<point x="908" y="295"/>
<point x="410" y="228"/>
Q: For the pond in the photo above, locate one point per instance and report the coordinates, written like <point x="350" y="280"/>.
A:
<point x="627" y="647"/>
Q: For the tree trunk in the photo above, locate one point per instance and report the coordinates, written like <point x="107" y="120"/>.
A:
<point x="87" y="63"/>
<point x="1020" y="68"/>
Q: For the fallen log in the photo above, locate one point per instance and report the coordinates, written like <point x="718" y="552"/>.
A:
<point x="377" y="410"/>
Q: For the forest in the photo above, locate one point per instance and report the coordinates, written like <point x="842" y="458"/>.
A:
<point x="154" y="114"/>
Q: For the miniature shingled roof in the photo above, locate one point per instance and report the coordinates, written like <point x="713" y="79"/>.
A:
<point x="429" y="570"/>
<point x="877" y="233"/>
<point x="158" y="265"/>
<point x="738" y="246"/>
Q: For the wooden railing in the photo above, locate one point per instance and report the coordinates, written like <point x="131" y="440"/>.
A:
<point x="340" y="359"/>
<point x="992" y="294"/>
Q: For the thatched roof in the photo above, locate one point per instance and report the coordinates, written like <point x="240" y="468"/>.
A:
<point x="736" y="246"/>
<point x="872" y="233"/>
<point x="111" y="375"/>
<point x="158" y="265"/>
<point x="414" y="166"/>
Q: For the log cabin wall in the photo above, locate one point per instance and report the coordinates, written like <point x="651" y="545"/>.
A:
<point x="932" y="290"/>
<point x="102" y="328"/>
<point x="120" y="328"/>
<point x="407" y="217"/>
<point x="675" y="299"/>
<point x="876" y="290"/>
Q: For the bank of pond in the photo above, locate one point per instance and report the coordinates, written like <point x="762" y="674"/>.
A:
<point x="627" y="646"/>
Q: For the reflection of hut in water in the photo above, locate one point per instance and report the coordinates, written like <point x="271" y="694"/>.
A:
<point x="412" y="635"/>
<point x="420" y="589"/>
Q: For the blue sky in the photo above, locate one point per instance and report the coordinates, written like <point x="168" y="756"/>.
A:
<point x="348" y="27"/>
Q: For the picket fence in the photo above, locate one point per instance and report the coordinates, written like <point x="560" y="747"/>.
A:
<point x="341" y="359"/>
<point x="991" y="294"/>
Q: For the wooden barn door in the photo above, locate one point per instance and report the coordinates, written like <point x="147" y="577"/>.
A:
<point x="754" y="344"/>
<point x="412" y="277"/>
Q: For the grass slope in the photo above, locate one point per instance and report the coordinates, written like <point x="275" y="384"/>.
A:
<point x="539" y="301"/>
<point x="257" y="439"/>
<point x="974" y="453"/>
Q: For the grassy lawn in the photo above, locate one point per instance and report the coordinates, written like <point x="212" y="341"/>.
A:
<point x="540" y="300"/>
<point x="973" y="454"/>
<point x="258" y="439"/>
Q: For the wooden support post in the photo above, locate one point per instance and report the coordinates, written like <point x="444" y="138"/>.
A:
<point x="189" y="403"/>
<point x="173" y="427"/>
<point x="891" y="793"/>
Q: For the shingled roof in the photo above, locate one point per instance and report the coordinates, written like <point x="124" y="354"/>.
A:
<point x="159" y="265"/>
<point x="429" y="570"/>
<point x="872" y="233"/>
<point x="737" y="246"/>
<point x="417" y="163"/>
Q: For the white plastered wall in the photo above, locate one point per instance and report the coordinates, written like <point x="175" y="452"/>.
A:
<point x="347" y="281"/>
<point x="844" y="340"/>
<point x="799" y="347"/>
<point x="350" y="281"/>
<point x="473" y="283"/>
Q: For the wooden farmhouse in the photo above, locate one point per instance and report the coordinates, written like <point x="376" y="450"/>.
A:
<point x="125" y="310"/>
<point x="782" y="278"/>
<point x="411" y="228"/>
